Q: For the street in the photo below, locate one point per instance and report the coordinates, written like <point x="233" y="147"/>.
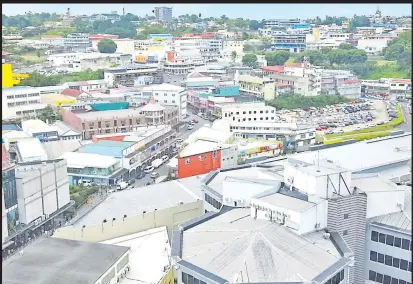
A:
<point x="407" y="125"/>
<point x="183" y="134"/>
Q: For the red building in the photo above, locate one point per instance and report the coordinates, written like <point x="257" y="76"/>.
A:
<point x="102" y="36"/>
<point x="198" y="164"/>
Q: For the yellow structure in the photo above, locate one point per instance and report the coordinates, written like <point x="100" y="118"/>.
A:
<point x="316" y="34"/>
<point x="169" y="277"/>
<point x="56" y="99"/>
<point x="8" y="79"/>
<point x="140" y="59"/>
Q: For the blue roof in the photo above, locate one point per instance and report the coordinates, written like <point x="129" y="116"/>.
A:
<point x="10" y="127"/>
<point x="106" y="148"/>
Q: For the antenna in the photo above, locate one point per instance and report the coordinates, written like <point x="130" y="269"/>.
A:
<point x="318" y="161"/>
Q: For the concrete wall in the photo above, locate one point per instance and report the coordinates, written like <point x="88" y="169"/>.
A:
<point x="170" y="217"/>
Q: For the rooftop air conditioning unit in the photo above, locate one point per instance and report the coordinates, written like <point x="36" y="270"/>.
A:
<point x="326" y="236"/>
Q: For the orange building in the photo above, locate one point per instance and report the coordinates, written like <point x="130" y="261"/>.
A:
<point x="198" y="164"/>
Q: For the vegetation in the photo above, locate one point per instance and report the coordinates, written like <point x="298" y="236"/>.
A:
<point x="297" y="101"/>
<point x="39" y="80"/>
<point x="357" y="137"/>
<point x="250" y="60"/>
<point x="400" y="49"/>
<point x="63" y="32"/>
<point x="80" y="194"/>
<point x="277" y="57"/>
<point x="49" y="115"/>
<point x="107" y="45"/>
<point x="29" y="19"/>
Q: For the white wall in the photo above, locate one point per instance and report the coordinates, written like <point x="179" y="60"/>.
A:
<point x="229" y="157"/>
<point x="391" y="199"/>
<point x="236" y="191"/>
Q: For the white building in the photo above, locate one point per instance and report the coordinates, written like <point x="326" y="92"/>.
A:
<point x="373" y="45"/>
<point x="30" y="150"/>
<point x="256" y="111"/>
<point x="42" y="189"/>
<point x="170" y="95"/>
<point x="21" y="103"/>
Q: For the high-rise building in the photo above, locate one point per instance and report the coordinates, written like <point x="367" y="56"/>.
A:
<point x="163" y="14"/>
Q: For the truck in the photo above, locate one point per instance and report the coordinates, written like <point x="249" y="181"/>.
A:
<point x="157" y="163"/>
<point x="121" y="185"/>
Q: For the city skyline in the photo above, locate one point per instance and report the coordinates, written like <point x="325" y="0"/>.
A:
<point x="250" y="11"/>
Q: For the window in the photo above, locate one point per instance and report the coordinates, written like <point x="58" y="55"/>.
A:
<point x="380" y="258"/>
<point x="372" y="275"/>
<point x="402" y="281"/>
<point x="403" y="264"/>
<point x="115" y="122"/>
<point x="214" y="155"/>
<point x="122" y="122"/>
<point x="138" y="121"/>
<point x="187" y="161"/>
<point x="373" y="256"/>
<point x="345" y="232"/>
<point x="374" y="236"/>
<point x="130" y="121"/>
<point x="396" y="262"/>
<point x="387" y="279"/>
<point x="173" y="102"/>
<point x="379" y="278"/>
<point x="200" y="157"/>
<point x="405" y="244"/>
<point x="389" y="240"/>
<point x="410" y="266"/>
<point x="165" y="101"/>
<point x="394" y="281"/>
<point x="397" y="242"/>
<point x="382" y="238"/>
<point x="184" y="278"/>
<point x="388" y="260"/>
<point x="91" y="125"/>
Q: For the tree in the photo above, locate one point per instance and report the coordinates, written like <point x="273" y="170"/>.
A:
<point x="255" y="25"/>
<point x="121" y="32"/>
<point x="245" y="36"/>
<point x="359" y="21"/>
<point x="277" y="57"/>
<point x="346" y="46"/>
<point x="250" y="60"/>
<point x="38" y="54"/>
<point x="315" y="57"/>
<point x="107" y="45"/>
<point x="233" y="55"/>
<point x="49" y="115"/>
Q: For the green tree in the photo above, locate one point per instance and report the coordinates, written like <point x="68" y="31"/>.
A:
<point x="250" y="60"/>
<point x="121" y="32"/>
<point x="359" y="21"/>
<point x="315" y="57"/>
<point x="346" y="46"/>
<point x="277" y="57"/>
<point x="107" y="45"/>
<point x="255" y="25"/>
<point x="49" y="115"/>
<point x="233" y="55"/>
<point x="38" y="54"/>
<point x="245" y="36"/>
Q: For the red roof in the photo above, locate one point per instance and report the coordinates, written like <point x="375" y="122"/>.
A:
<point x="196" y="75"/>
<point x="279" y="84"/>
<point x="406" y="81"/>
<point x="275" y="69"/>
<point x="71" y="92"/>
<point x="101" y="36"/>
<point x="4" y="53"/>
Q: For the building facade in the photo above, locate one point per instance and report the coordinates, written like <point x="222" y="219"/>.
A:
<point x="163" y="14"/>
<point x="21" y="103"/>
<point x="168" y="95"/>
<point x="294" y="43"/>
<point x="77" y="42"/>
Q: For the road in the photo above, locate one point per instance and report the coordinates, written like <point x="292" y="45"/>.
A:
<point x="407" y="125"/>
<point x="183" y="134"/>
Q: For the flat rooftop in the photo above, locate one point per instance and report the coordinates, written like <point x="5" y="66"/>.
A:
<point x="235" y="243"/>
<point x="373" y="183"/>
<point x="150" y="253"/>
<point x="53" y="260"/>
<point x="109" y="114"/>
<point x="287" y="202"/>
<point x="134" y="201"/>
<point x="198" y="147"/>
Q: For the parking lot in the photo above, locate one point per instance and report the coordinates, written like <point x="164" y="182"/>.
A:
<point x="342" y="117"/>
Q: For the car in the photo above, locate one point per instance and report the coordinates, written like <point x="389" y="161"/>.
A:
<point x="329" y="132"/>
<point x="140" y="175"/>
<point x="380" y="122"/>
<point x="148" y="183"/>
<point x="165" y="158"/>
<point x="195" y="120"/>
<point x="148" y="169"/>
<point x="154" y="175"/>
<point x="339" y="131"/>
<point x="190" y="127"/>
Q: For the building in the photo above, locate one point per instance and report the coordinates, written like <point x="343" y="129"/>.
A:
<point x="19" y="103"/>
<point x="116" y="77"/>
<point x="110" y="263"/>
<point x="168" y="95"/>
<point x="30" y="150"/>
<point x="39" y="129"/>
<point x="373" y="45"/>
<point x="254" y="111"/>
<point x="93" y="168"/>
<point x="270" y="252"/>
<point x="262" y="88"/>
<point x="77" y="62"/>
<point x="154" y="242"/>
<point x="4" y="229"/>
<point x="281" y="23"/>
<point x="9" y="199"/>
<point x="204" y="156"/>
<point x="65" y="132"/>
<point x="400" y="88"/>
<point x="163" y="14"/>
<point x="294" y="43"/>
<point x="77" y="42"/>
<point x="8" y="78"/>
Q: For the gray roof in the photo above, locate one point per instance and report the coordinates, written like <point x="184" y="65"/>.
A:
<point x="234" y="242"/>
<point x="134" y="201"/>
<point x="53" y="260"/>
<point x="55" y="149"/>
<point x="287" y="202"/>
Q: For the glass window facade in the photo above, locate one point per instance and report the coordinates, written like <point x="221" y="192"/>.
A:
<point x="9" y="188"/>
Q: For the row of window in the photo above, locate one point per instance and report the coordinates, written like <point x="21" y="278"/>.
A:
<point x="216" y="204"/>
<point x="165" y="94"/>
<point x="336" y="278"/>
<point x="189" y="279"/>
<point x="385" y="279"/>
<point x="249" y="112"/>
<point x="390" y="261"/>
<point x="249" y="118"/>
<point x="391" y="240"/>
<point x="115" y="123"/>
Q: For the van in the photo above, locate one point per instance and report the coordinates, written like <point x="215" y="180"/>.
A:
<point x="121" y="185"/>
<point x="86" y="183"/>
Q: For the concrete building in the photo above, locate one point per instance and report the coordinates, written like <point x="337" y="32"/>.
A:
<point x="110" y="263"/>
<point x="77" y="42"/>
<point x="42" y="189"/>
<point x="39" y="129"/>
<point x="116" y="77"/>
<point x="281" y="23"/>
<point x="373" y="45"/>
<point x="254" y="111"/>
<point x="21" y="103"/>
<point x="168" y="95"/>
<point x="163" y="14"/>
<point x="4" y="229"/>
<point x="30" y="150"/>
<point x="262" y="88"/>
<point x="294" y="43"/>
<point x="197" y="81"/>
<point x="10" y="215"/>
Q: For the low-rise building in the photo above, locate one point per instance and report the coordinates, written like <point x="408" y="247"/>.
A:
<point x="39" y="129"/>
<point x="291" y="42"/>
<point x="281" y="23"/>
<point x="254" y="111"/>
<point x="18" y="103"/>
<point x="77" y="42"/>
<point x="168" y="95"/>
<point x="262" y="88"/>
<point x="116" y="77"/>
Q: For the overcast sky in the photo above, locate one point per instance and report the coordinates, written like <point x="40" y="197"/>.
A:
<point x="251" y="11"/>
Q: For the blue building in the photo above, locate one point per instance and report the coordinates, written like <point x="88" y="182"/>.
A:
<point x="300" y="26"/>
<point x="226" y="91"/>
<point x="294" y="43"/>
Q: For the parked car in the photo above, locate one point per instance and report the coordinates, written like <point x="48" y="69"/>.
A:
<point x="195" y="120"/>
<point x="154" y="175"/>
<point x="165" y="158"/>
<point x="140" y="175"/>
<point x="179" y="140"/>
<point x="190" y="127"/>
<point x="148" y="169"/>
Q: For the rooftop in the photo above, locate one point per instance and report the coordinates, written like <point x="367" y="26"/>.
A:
<point x="150" y="253"/>
<point x="55" y="149"/>
<point x="36" y="126"/>
<point x="163" y="87"/>
<point x="107" y="148"/>
<point x="31" y="149"/>
<point x="233" y="243"/>
<point x="134" y="202"/>
<point x="208" y="133"/>
<point x="83" y="160"/>
<point x="198" y="147"/>
<point x="53" y="260"/>
<point x="373" y="183"/>
<point x="287" y="202"/>
<point x="109" y="114"/>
